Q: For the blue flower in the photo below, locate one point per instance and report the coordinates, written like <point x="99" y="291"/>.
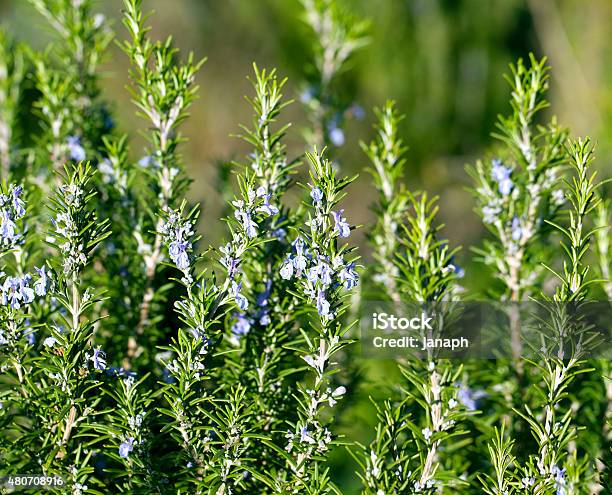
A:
<point x="76" y="151"/>
<point x="126" y="447"/>
<point x="322" y="304"/>
<point x="177" y="232"/>
<point x="320" y="272"/>
<point x="30" y="335"/>
<point x="307" y="95"/>
<point x="469" y="397"/>
<point x="348" y="276"/>
<point x="559" y="479"/>
<point x="279" y="233"/>
<point x="241" y="301"/>
<point x="241" y="326"/>
<point x="517" y="230"/>
<point x="249" y="226"/>
<point x="178" y="253"/>
<point x="228" y="261"/>
<point x="501" y="175"/>
<point x="357" y="111"/>
<point x="286" y="271"/>
<point x="300" y="261"/>
<point x="490" y="213"/>
<point x="305" y="436"/>
<point x="317" y="195"/>
<point x="40" y="286"/>
<point x="342" y="228"/>
<point x="146" y="161"/>
<point x="99" y="359"/>
<point x="16" y="291"/>
<point x="18" y="203"/>
<point x="266" y="207"/>
<point x="336" y="136"/>
<point x="8" y="228"/>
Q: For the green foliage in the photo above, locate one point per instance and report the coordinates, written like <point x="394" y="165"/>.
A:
<point x="133" y="359"/>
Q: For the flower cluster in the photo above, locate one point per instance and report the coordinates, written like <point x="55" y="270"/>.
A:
<point x="12" y="209"/>
<point x="18" y="291"/>
<point x="318" y="273"/>
<point x="178" y="234"/>
<point x="256" y="201"/>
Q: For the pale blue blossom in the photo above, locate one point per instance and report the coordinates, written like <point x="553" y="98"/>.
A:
<point x="490" y="213"/>
<point x="516" y="229"/>
<point x="317" y="195"/>
<point x="99" y="359"/>
<point x="241" y="326"/>
<point x="469" y="397"/>
<point x="41" y="285"/>
<point x="16" y="291"/>
<point x="266" y="207"/>
<point x="501" y="175"/>
<point x="228" y="260"/>
<point x="322" y="304"/>
<point x="341" y="226"/>
<point x="244" y="217"/>
<point x="321" y="272"/>
<point x="177" y="234"/>
<point x="241" y="301"/>
<point x="18" y="203"/>
<point x="178" y="254"/>
<point x="126" y="447"/>
<point x="336" y="134"/>
<point x="348" y="276"/>
<point x="75" y="150"/>
<point x="305" y="436"/>
<point x="559" y="480"/>
<point x="357" y="111"/>
<point x="307" y="95"/>
<point x="299" y="261"/>
<point x="286" y="271"/>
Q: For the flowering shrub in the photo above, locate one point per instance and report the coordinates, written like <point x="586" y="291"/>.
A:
<point x="135" y="360"/>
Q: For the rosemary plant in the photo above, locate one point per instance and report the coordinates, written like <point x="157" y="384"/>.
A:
<point x="134" y="359"/>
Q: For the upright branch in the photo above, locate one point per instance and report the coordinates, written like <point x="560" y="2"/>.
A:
<point x="263" y="324"/>
<point x="12" y="71"/>
<point x="323" y="268"/>
<point x="387" y="163"/>
<point x="163" y="90"/>
<point x="338" y="34"/>
<point x="71" y="362"/>
<point x="566" y="340"/>
<point x="256" y="218"/>
<point x="74" y="117"/>
<point x="188" y="364"/>
<point x="425" y="279"/>
<point x="517" y="192"/>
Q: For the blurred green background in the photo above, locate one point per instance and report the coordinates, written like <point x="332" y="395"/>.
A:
<point x="441" y="60"/>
